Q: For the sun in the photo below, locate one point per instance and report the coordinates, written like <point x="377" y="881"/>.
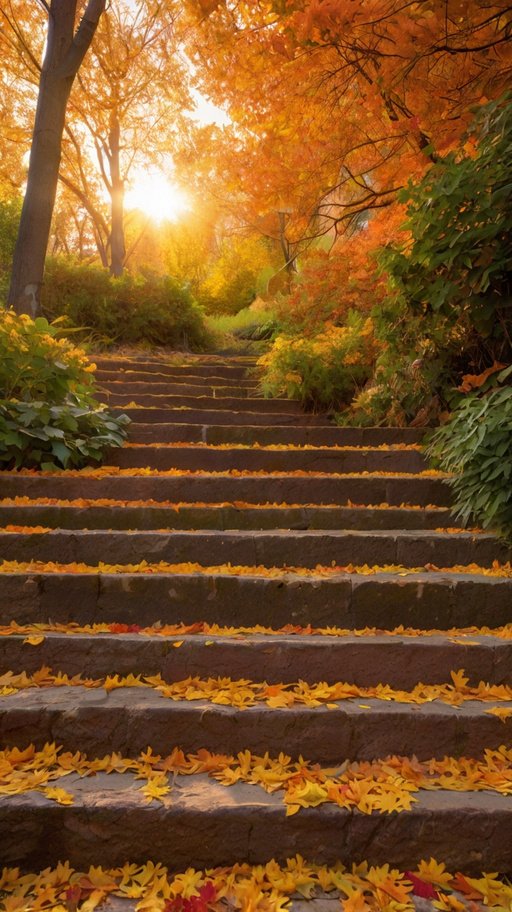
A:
<point x="158" y="197"/>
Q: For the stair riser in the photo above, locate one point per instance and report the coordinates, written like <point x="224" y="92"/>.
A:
<point x="365" y="661"/>
<point x="261" y="406"/>
<point x="40" y="834"/>
<point x="271" y="489"/>
<point x="277" y="549"/>
<point x="174" y="370"/>
<point x="223" y="518"/>
<point x="136" y="377"/>
<point x="138" y="389"/>
<point x="269" y="460"/>
<point x="200" y="414"/>
<point x="420" y="600"/>
<point x="264" y="435"/>
<point x="127" y="721"/>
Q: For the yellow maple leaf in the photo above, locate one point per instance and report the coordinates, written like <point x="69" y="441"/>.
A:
<point x="502" y="712"/>
<point x="355" y="903"/>
<point x="58" y="794"/>
<point x="434" y="872"/>
<point x="33" y="640"/>
<point x="156" y="788"/>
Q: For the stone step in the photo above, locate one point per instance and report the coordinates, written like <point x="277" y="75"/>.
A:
<point x="206" y="403"/>
<point x="122" y="515"/>
<point x="138" y="389"/>
<point x="128" y="719"/>
<point x="187" y="368"/>
<point x="204" y="823"/>
<point x="121" y="377"/>
<point x="206" y="488"/>
<point x="254" y="548"/>
<point x="440" y="600"/>
<point x="362" y="659"/>
<point x="326" y="459"/>
<point x="206" y="416"/>
<point x="269" y="435"/>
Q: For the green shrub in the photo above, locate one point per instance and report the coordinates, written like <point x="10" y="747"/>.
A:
<point x="476" y="444"/>
<point x="49" y="417"/>
<point x="448" y="311"/>
<point x="35" y="435"/>
<point x="146" y="310"/>
<point x="37" y="363"/>
<point x="323" y="370"/>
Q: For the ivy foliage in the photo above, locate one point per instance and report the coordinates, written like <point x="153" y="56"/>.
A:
<point x="476" y="444"/>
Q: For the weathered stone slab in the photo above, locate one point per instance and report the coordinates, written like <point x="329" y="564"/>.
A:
<point x="199" y="414"/>
<point x="363" y="660"/>
<point x="313" y="460"/>
<point x="382" y="600"/>
<point x="278" y="548"/>
<point x="265" y="434"/>
<point x="162" y="387"/>
<point x="129" y="719"/>
<point x="204" y="824"/>
<point x="209" y="403"/>
<point x="335" y="489"/>
<point x="222" y="516"/>
<point x="196" y="368"/>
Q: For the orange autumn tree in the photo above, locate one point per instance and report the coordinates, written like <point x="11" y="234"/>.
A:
<point x="336" y="104"/>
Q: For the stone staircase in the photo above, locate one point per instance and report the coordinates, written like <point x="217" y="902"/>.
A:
<point x="216" y="476"/>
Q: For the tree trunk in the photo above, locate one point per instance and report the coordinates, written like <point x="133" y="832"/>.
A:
<point x="289" y="258"/>
<point x="65" y="50"/>
<point x="117" y="245"/>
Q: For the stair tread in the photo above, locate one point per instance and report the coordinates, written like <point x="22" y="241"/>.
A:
<point x="210" y="823"/>
<point x="128" y="719"/>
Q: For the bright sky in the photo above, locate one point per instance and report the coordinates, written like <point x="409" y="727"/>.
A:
<point x="153" y="191"/>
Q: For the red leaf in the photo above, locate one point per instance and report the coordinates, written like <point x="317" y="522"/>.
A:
<point x="421" y="887"/>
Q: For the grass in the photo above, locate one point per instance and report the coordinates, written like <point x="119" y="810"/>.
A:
<point x="234" y="331"/>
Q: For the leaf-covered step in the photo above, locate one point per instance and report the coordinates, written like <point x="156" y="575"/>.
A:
<point x="209" y="403"/>
<point x="302" y="883"/>
<point x="220" y="369"/>
<point x="115" y="378"/>
<point x="136" y="388"/>
<point x="325" y="723"/>
<point x="394" y="489"/>
<point x="226" y="596"/>
<point x="364" y="658"/>
<point x="276" y="548"/>
<point x="265" y="434"/>
<point x="199" y="413"/>
<point x="247" y="458"/>
<point x="115" y="514"/>
<point x="202" y="823"/>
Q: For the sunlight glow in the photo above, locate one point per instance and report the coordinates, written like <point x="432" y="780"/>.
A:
<point x="157" y="197"/>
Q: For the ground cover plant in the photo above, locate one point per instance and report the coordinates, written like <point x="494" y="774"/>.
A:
<point x="49" y="416"/>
